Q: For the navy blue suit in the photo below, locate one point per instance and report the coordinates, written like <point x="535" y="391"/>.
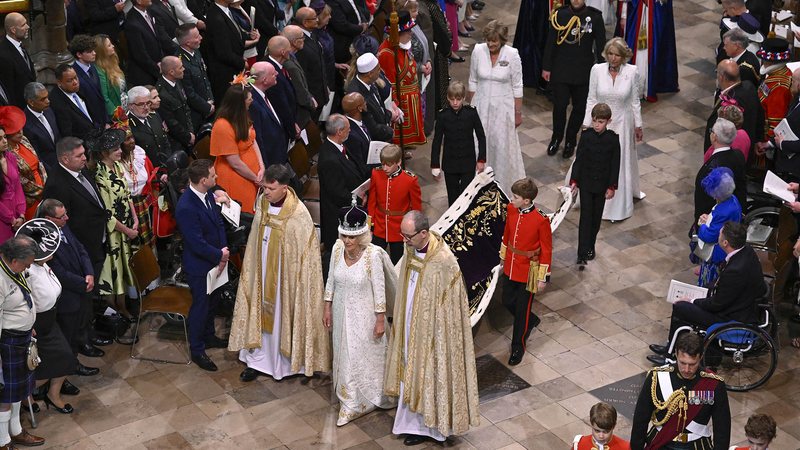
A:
<point x="270" y="134"/>
<point x="284" y="99"/>
<point x="37" y="134"/>
<point x="90" y="91"/>
<point x="204" y="237"/>
<point x="72" y="264"/>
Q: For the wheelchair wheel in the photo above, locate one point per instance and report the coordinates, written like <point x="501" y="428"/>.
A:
<point x="745" y="356"/>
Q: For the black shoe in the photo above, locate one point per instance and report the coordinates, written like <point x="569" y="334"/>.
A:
<point x="204" y="362"/>
<point x="69" y="389"/>
<point x="215" y="342"/>
<point x="569" y="150"/>
<point x="532" y="323"/>
<point x="101" y="341"/>
<point x="658" y="360"/>
<point x="659" y="349"/>
<point x="67" y="409"/>
<point x="466" y="35"/>
<point x="552" y="148"/>
<point x="456" y="59"/>
<point x="86" y="371"/>
<point x="590" y="255"/>
<point x="516" y="357"/>
<point x="414" y="439"/>
<point x="249" y="374"/>
<point x="477" y="6"/>
<point x="35" y="405"/>
<point x="91" y="351"/>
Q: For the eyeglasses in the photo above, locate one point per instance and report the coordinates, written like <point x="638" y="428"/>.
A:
<point x="408" y="238"/>
<point x="148" y="103"/>
<point x="61" y="217"/>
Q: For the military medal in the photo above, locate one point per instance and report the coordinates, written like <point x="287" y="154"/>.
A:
<point x="710" y="397"/>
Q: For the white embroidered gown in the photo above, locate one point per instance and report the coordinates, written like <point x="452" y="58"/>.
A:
<point x="357" y="293"/>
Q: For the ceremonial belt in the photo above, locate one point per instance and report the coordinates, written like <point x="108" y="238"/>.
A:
<point x="392" y="213"/>
<point x="533" y="254"/>
<point x="673" y="431"/>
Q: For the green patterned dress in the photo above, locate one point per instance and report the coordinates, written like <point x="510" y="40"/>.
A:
<point x="116" y="274"/>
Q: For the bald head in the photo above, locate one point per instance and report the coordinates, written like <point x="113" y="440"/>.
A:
<point x="16" y="26"/>
<point x="278" y="48"/>
<point x="295" y="36"/>
<point x="305" y="13"/>
<point x="265" y="75"/>
<point x="172" y="68"/>
<point x="353" y="104"/>
<point x="727" y="73"/>
<point x="795" y="83"/>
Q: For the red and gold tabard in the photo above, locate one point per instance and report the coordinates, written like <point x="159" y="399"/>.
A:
<point x="586" y="443"/>
<point x="775" y="96"/>
<point x="527" y="247"/>
<point x="409" y="97"/>
<point x="390" y="197"/>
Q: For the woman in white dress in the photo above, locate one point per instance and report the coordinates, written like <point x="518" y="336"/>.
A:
<point x="495" y="90"/>
<point x="617" y="84"/>
<point x="360" y="281"/>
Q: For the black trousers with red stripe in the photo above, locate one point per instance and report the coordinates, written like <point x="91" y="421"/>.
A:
<point x="518" y="301"/>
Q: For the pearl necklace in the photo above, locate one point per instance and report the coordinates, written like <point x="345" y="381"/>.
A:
<point x="353" y="258"/>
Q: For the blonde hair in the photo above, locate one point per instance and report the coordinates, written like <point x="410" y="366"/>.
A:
<point x="108" y="62"/>
<point x="620" y="46"/>
<point x="456" y="90"/>
<point x="391" y="154"/>
<point x="495" y="30"/>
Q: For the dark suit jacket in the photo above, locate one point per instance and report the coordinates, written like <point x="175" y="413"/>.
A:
<point x="283" y="99"/>
<point x="165" y="15"/>
<point x="151" y="137"/>
<point x="458" y="130"/>
<point x="787" y="163"/>
<point x="732" y="159"/>
<point x="202" y="230"/>
<point x="376" y="116"/>
<point x="90" y="92"/>
<point x="305" y="105"/>
<point x="265" y="21"/>
<point x="224" y="53"/>
<point x="4" y="101"/>
<point x="313" y="63"/>
<point x="596" y="166"/>
<point x="39" y="137"/>
<point x="747" y="97"/>
<point x="344" y="27"/>
<point x="104" y="18"/>
<point x="175" y="111"/>
<point x="71" y="264"/>
<point x="739" y="287"/>
<point x="87" y="216"/>
<point x="197" y="88"/>
<point x="338" y="176"/>
<point x="357" y="145"/>
<point x="270" y="134"/>
<point x="144" y="49"/>
<point x="761" y="10"/>
<point x="14" y="72"/>
<point x="71" y="121"/>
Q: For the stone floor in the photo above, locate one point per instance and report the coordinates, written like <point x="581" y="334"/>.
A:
<point x="595" y="330"/>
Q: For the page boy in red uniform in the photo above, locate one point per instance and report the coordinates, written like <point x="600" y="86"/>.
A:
<point x="603" y="418"/>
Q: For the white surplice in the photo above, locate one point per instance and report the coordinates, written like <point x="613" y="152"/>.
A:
<point x="622" y="95"/>
<point x="495" y="88"/>
<point x="268" y="359"/>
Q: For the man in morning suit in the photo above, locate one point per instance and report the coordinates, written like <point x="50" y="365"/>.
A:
<point x="200" y="222"/>
<point x="174" y="107"/>
<point x="16" y="66"/>
<point x="569" y="56"/>
<point x="376" y="117"/>
<point x="744" y="93"/>
<point x="224" y="53"/>
<point x="309" y="56"/>
<point x="734" y="43"/>
<point x="722" y="135"/>
<point x="73" y="268"/>
<point x="41" y="126"/>
<point x="357" y="143"/>
<point x="338" y="176"/>
<point x="195" y="78"/>
<point x="270" y="133"/>
<point x="82" y="48"/>
<point x="71" y="110"/>
<point x="148" y="43"/>
<point x="165" y="14"/>
<point x="147" y="126"/>
<point x="307" y="105"/>
<point x="787" y="164"/>
<point x="282" y="96"/>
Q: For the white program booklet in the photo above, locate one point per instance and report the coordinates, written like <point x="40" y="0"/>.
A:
<point x="374" y="154"/>
<point x="775" y="186"/>
<point x="362" y="190"/>
<point x="231" y="212"/>
<point x="214" y="279"/>
<point x="784" y="130"/>
<point x="678" y="290"/>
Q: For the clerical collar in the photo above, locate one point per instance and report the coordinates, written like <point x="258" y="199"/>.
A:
<point x="526" y="209"/>
<point x="278" y="204"/>
<point x="424" y="250"/>
<point x="395" y="173"/>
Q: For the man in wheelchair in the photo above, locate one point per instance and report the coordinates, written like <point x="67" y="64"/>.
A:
<point x="679" y="400"/>
<point x="734" y="297"/>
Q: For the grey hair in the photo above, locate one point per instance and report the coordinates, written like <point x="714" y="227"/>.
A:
<point x="335" y="124"/>
<point x="32" y="89"/>
<point x="419" y="220"/>
<point x="67" y="145"/>
<point x="733" y="2"/>
<point x="725" y="131"/>
<point x="724" y="189"/>
<point x="137" y="92"/>
<point x="19" y="248"/>
<point x="736" y="36"/>
<point x="48" y="207"/>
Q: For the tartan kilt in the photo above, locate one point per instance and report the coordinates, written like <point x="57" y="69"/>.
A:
<point x="142" y="208"/>
<point x="19" y="380"/>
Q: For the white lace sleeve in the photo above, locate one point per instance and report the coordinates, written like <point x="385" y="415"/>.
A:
<point x="329" y="285"/>
<point x="376" y="280"/>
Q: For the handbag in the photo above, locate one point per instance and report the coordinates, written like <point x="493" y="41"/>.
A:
<point x="703" y="250"/>
<point x="33" y="355"/>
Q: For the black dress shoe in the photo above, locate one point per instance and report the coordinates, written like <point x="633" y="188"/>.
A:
<point x="590" y="255"/>
<point x="67" y="409"/>
<point x="91" y="351"/>
<point x="86" y="371"/>
<point x="466" y="35"/>
<point x="414" y="439"/>
<point x="658" y="360"/>
<point x="204" y="362"/>
<point x="249" y="374"/>
<point x="659" y="349"/>
<point x="569" y="150"/>
<point x="101" y="341"/>
<point x="456" y="59"/>
<point x="516" y="357"/>
<point x="552" y="149"/>
<point x="69" y="389"/>
<point x="215" y="342"/>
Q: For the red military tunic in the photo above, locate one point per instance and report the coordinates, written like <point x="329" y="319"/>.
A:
<point x="586" y="443"/>
<point x="527" y="239"/>
<point x="775" y="96"/>
<point x="390" y="197"/>
<point x="408" y="99"/>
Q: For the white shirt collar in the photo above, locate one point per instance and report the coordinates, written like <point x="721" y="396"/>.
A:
<point x="83" y="66"/>
<point x="368" y="86"/>
<point x="199" y="194"/>
<point x="260" y="92"/>
<point x="306" y="32"/>
<point x="721" y="149"/>
<point x="71" y="172"/>
<point x="280" y="66"/>
<point x="16" y="43"/>
<point x="729" y="255"/>
<point x="143" y="13"/>
<point x="340" y="147"/>
<point x="224" y="9"/>
<point x="189" y="51"/>
<point x="736" y="58"/>
<point x="357" y="122"/>
<point x="37" y="114"/>
<point x="171" y="83"/>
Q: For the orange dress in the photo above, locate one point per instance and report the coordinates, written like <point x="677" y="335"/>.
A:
<point x="223" y="142"/>
<point x="32" y="177"/>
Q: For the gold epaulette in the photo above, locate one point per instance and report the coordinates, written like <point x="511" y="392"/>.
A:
<point x="668" y="368"/>
<point x="410" y="173"/>
<point x="705" y="374"/>
<point x="543" y="214"/>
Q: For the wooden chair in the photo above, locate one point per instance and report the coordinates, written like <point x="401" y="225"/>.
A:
<point x="162" y="299"/>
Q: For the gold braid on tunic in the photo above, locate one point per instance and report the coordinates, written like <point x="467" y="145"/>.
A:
<point x="564" y="31"/>
<point x="676" y="402"/>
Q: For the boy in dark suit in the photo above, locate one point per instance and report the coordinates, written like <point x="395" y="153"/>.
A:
<point x="456" y="125"/>
<point x="595" y="172"/>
